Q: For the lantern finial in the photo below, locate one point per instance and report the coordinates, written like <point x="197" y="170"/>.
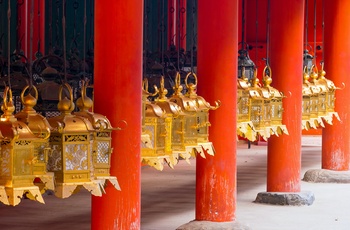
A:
<point x="178" y="87"/>
<point x="84" y="103"/>
<point x="65" y="105"/>
<point x="7" y="107"/>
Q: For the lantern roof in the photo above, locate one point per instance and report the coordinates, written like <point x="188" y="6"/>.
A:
<point x="10" y="127"/>
<point x="37" y="123"/>
<point x="66" y="122"/>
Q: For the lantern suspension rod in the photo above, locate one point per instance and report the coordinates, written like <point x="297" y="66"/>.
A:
<point x="268" y="34"/>
<point x="162" y="37"/>
<point x="322" y="31"/>
<point x="178" y="34"/>
<point x="84" y="39"/>
<point x="31" y="43"/>
<point x="315" y="20"/>
<point x="9" y="43"/>
<point x="193" y="35"/>
<point x="306" y="22"/>
<point x="256" y="31"/>
<point x="243" y="23"/>
<point x="38" y="54"/>
<point x="50" y="27"/>
<point x="64" y="40"/>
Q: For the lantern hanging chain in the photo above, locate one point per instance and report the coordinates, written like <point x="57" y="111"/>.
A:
<point x="9" y="43"/>
<point x="315" y="20"/>
<point x="256" y="30"/>
<point x="39" y="29"/>
<point x="31" y="43"/>
<point x="145" y="46"/>
<point x="91" y="39"/>
<point x="268" y="34"/>
<point x="193" y="36"/>
<point x="84" y="40"/>
<point x="162" y="37"/>
<point x="50" y="27"/>
<point x="19" y="23"/>
<point x="178" y="34"/>
<point x="243" y="23"/>
<point x="64" y="40"/>
<point x="323" y="31"/>
<point x="75" y="35"/>
<point x="57" y="24"/>
<point x="306" y="23"/>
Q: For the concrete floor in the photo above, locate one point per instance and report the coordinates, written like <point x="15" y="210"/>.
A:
<point x="168" y="199"/>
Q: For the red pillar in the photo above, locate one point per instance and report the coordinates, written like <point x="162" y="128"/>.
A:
<point x="336" y="138"/>
<point x="24" y="12"/>
<point x="286" y="50"/>
<point x="118" y="73"/>
<point x="217" y="74"/>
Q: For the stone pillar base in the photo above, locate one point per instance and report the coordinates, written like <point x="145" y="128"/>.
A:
<point x="280" y="198"/>
<point x="327" y="176"/>
<point x="209" y="225"/>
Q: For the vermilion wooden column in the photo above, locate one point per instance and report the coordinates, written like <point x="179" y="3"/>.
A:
<point x="336" y="138"/>
<point x="117" y="83"/>
<point x="286" y="50"/>
<point x="217" y="74"/>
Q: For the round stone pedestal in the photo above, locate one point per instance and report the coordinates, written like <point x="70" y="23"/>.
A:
<point x="210" y="225"/>
<point x="327" y="176"/>
<point x="281" y="198"/>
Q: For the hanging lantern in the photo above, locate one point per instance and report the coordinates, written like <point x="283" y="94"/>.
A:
<point x="202" y="117"/>
<point x="245" y="65"/>
<point x="70" y="158"/>
<point x="307" y="60"/>
<point x="306" y="91"/>
<point x="276" y="106"/>
<point x="188" y="106"/>
<point x="102" y="138"/>
<point x="315" y="99"/>
<point x="173" y="124"/>
<point x="329" y="96"/>
<point x="155" y="127"/>
<point x="40" y="127"/>
<point x="18" y="160"/>
<point x="245" y="127"/>
<point x="259" y="108"/>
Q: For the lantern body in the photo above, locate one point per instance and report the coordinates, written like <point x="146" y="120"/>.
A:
<point x="71" y="143"/>
<point x="17" y="158"/>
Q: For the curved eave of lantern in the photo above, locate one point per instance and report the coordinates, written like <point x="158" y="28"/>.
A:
<point x="247" y="130"/>
<point x="69" y="123"/>
<point x="37" y="123"/>
<point x="98" y="121"/>
<point x="170" y="108"/>
<point x="15" y="131"/>
<point x="186" y="104"/>
<point x="153" y="110"/>
<point x="242" y="83"/>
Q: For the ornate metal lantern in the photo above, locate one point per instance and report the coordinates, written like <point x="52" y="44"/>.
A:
<point x="245" y="65"/>
<point x="245" y="127"/>
<point x="155" y="127"/>
<point x="40" y="127"/>
<point x="315" y="99"/>
<point x="276" y="105"/>
<point x="173" y="125"/>
<point x="259" y="108"/>
<point x="202" y="114"/>
<point x="329" y="95"/>
<point x="306" y="91"/>
<point x="18" y="160"/>
<point x="188" y="106"/>
<point x="71" y="142"/>
<point x="102" y="137"/>
<point x="307" y="60"/>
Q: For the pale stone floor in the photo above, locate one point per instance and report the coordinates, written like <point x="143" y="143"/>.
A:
<point x="168" y="199"/>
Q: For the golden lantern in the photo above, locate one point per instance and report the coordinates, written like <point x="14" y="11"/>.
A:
<point x="17" y="161"/>
<point x="202" y="116"/>
<point x="102" y="137"/>
<point x="329" y="88"/>
<point x="306" y="91"/>
<point x="315" y="99"/>
<point x="275" y="106"/>
<point x="189" y="108"/>
<point x="155" y="127"/>
<point x="245" y="127"/>
<point x="259" y="108"/>
<point x="71" y="143"/>
<point x="40" y="127"/>
<point x="173" y="125"/>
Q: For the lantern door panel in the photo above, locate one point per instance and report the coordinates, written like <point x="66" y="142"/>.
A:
<point x="177" y="136"/>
